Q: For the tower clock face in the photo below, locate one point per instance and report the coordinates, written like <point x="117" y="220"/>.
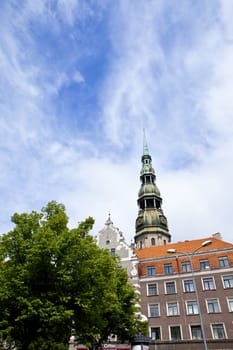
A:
<point x="139" y="220"/>
<point x="163" y="220"/>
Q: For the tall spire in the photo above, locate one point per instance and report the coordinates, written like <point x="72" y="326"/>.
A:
<point x="151" y="223"/>
<point x="145" y="146"/>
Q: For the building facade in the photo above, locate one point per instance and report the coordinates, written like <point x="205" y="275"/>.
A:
<point x="187" y="294"/>
<point x="112" y="238"/>
<point x="185" y="288"/>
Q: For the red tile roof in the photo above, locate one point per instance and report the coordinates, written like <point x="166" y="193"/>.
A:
<point x="188" y="246"/>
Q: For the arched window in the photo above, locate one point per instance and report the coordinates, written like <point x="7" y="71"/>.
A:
<point x="153" y="241"/>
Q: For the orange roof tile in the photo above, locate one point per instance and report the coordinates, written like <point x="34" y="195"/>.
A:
<point x="188" y="246"/>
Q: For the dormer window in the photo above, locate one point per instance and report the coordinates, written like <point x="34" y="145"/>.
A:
<point x="223" y="261"/>
<point x="204" y="264"/>
<point x="168" y="268"/>
<point x="151" y="270"/>
<point x="186" y="266"/>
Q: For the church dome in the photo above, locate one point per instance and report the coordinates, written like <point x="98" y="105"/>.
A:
<point x="147" y="169"/>
<point x="151" y="218"/>
<point x="148" y="188"/>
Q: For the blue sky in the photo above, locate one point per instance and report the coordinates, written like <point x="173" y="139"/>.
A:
<point x="79" y="80"/>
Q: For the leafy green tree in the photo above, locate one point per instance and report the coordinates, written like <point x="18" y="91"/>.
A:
<point x="55" y="281"/>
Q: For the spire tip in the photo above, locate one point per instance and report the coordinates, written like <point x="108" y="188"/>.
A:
<point x="145" y="146"/>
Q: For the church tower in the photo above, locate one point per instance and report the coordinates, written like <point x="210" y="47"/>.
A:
<point x="151" y="223"/>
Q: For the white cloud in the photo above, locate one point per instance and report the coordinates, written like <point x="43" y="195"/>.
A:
<point x="169" y="70"/>
<point x="68" y="9"/>
<point x="184" y="101"/>
<point x="78" y="78"/>
<point x="226" y="14"/>
<point x="128" y="95"/>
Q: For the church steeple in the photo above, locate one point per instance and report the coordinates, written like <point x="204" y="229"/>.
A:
<point x="151" y="223"/>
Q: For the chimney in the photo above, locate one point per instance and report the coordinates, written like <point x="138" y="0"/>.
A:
<point x="217" y="235"/>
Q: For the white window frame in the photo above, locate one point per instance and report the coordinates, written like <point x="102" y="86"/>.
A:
<point x="189" y="291"/>
<point x="175" y="325"/>
<point x="177" y="308"/>
<point x="149" y="284"/>
<point x="224" y="329"/>
<point x="230" y="303"/>
<point x="190" y="330"/>
<point x="160" y="330"/>
<point x="149" y="311"/>
<point x="165" y="287"/>
<point x="203" y="283"/>
<point x="193" y="307"/>
<point x="207" y="306"/>
<point x="230" y="276"/>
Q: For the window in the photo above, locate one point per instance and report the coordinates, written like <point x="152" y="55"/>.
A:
<point x="228" y="281"/>
<point x="208" y="283"/>
<point x="192" y="307"/>
<point x="153" y="310"/>
<point x="167" y="268"/>
<point x="204" y="264"/>
<point x="223" y="261"/>
<point x="172" y="309"/>
<point x="175" y="333"/>
<point x="113" y="251"/>
<point x="213" y="305"/>
<point x="196" y="332"/>
<point x="170" y="287"/>
<point x="152" y="289"/>
<point x="151" y="270"/>
<point x="189" y="286"/>
<point x="152" y="241"/>
<point x="155" y="333"/>
<point x="230" y="304"/>
<point x="218" y="331"/>
<point x="186" y="266"/>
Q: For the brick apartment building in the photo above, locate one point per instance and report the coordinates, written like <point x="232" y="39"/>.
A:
<point x="188" y="297"/>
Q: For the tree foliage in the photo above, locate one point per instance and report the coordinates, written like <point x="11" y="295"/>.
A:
<point x="55" y="281"/>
